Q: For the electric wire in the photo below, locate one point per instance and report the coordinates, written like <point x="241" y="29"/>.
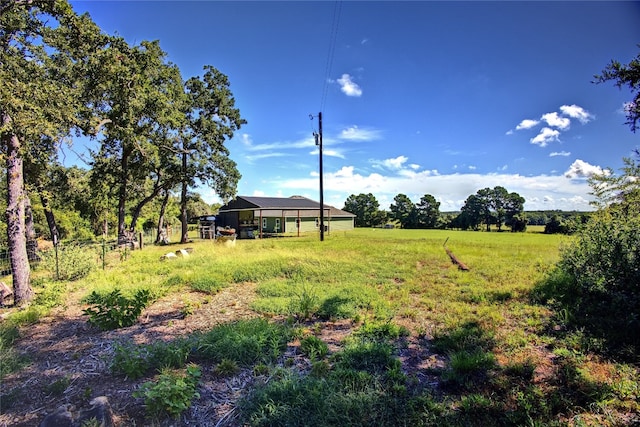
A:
<point x="335" y="23"/>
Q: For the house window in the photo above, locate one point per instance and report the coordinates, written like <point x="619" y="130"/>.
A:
<point x="264" y="223"/>
<point x="277" y="225"/>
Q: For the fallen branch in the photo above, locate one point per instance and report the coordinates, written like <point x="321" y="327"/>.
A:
<point x="454" y="259"/>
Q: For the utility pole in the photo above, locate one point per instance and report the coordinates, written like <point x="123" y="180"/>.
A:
<point x="318" y="137"/>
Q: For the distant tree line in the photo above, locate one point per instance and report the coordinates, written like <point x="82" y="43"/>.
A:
<point x="489" y="207"/>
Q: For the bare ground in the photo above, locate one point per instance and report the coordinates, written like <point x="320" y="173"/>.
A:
<point x="68" y="360"/>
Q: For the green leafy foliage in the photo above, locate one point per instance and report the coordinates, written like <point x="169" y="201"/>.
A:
<point x="72" y="262"/>
<point x="227" y="367"/>
<point x="114" y="310"/>
<point x="172" y="392"/>
<point x="366" y="209"/>
<point x="305" y="304"/>
<point x="313" y="347"/>
<point x="595" y="285"/>
<point x="380" y="331"/>
<point x="245" y="342"/>
<point x="10" y="359"/>
<point x="353" y="392"/>
<point x="130" y="360"/>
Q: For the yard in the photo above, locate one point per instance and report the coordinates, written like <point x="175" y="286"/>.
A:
<point x="369" y="327"/>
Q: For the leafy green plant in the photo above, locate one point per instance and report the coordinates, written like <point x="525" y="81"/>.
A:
<point x="246" y="342"/>
<point x="57" y="387"/>
<point x="467" y="366"/>
<point x="466" y="337"/>
<point x="172" y="392"/>
<point x="114" y="310"/>
<point x="130" y="360"/>
<point x="305" y="303"/>
<point x="172" y="354"/>
<point x="381" y="331"/>
<point x="227" y="367"/>
<point x="73" y="262"/>
<point x="314" y="347"/>
<point x="372" y="357"/>
<point x="10" y="359"/>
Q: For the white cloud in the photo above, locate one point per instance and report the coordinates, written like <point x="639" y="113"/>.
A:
<point x="253" y="157"/>
<point x="540" y="192"/>
<point x="577" y="112"/>
<point x="582" y="169"/>
<point x="284" y="145"/>
<point x="395" y="163"/>
<point x="348" y="86"/>
<point x="245" y="139"/>
<point x="560" y="153"/>
<point x="545" y="136"/>
<point x="554" y="120"/>
<point x="329" y="153"/>
<point x="527" y="124"/>
<point x="560" y="121"/>
<point x="354" y="133"/>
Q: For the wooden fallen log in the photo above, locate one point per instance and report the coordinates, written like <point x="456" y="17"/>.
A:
<point x="461" y="266"/>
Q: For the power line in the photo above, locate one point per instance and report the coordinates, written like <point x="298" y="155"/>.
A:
<point x="337" y="8"/>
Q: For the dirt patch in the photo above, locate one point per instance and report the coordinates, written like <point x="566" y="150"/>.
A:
<point x="69" y="359"/>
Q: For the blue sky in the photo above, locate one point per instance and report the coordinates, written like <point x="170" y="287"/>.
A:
<point x="419" y="97"/>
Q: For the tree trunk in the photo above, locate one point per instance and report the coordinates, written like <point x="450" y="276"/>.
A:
<point x="163" y="209"/>
<point x="30" y="230"/>
<point x="183" y="214"/>
<point x="48" y="214"/>
<point x="183" y="202"/>
<point x="123" y="236"/>
<point x="15" y="216"/>
<point x="138" y="209"/>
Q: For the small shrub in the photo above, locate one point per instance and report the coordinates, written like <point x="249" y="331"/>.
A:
<point x="130" y="360"/>
<point x="227" y="367"/>
<point x="467" y="337"/>
<point x="320" y="369"/>
<point x="210" y="285"/>
<point x="57" y="387"/>
<point x="169" y="355"/>
<point x="172" y="393"/>
<point x="114" y="310"/>
<point x="372" y="357"/>
<point x="260" y="369"/>
<point x="314" y="347"/>
<point x="305" y="304"/>
<point x="73" y="262"/>
<point x="246" y="342"/>
<point x="381" y="331"/>
<point x="467" y="366"/>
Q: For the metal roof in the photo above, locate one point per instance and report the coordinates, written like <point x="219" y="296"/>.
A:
<point x="279" y="203"/>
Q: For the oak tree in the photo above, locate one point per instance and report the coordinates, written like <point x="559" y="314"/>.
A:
<point x="43" y="45"/>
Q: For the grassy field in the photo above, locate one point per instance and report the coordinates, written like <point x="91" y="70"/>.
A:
<point x="429" y="344"/>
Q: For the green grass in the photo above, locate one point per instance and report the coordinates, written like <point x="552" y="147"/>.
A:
<point x="506" y="359"/>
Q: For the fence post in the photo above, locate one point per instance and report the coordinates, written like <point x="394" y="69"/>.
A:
<point x="140" y="238"/>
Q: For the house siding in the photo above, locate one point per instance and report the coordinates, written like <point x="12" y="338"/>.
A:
<point x="248" y="214"/>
